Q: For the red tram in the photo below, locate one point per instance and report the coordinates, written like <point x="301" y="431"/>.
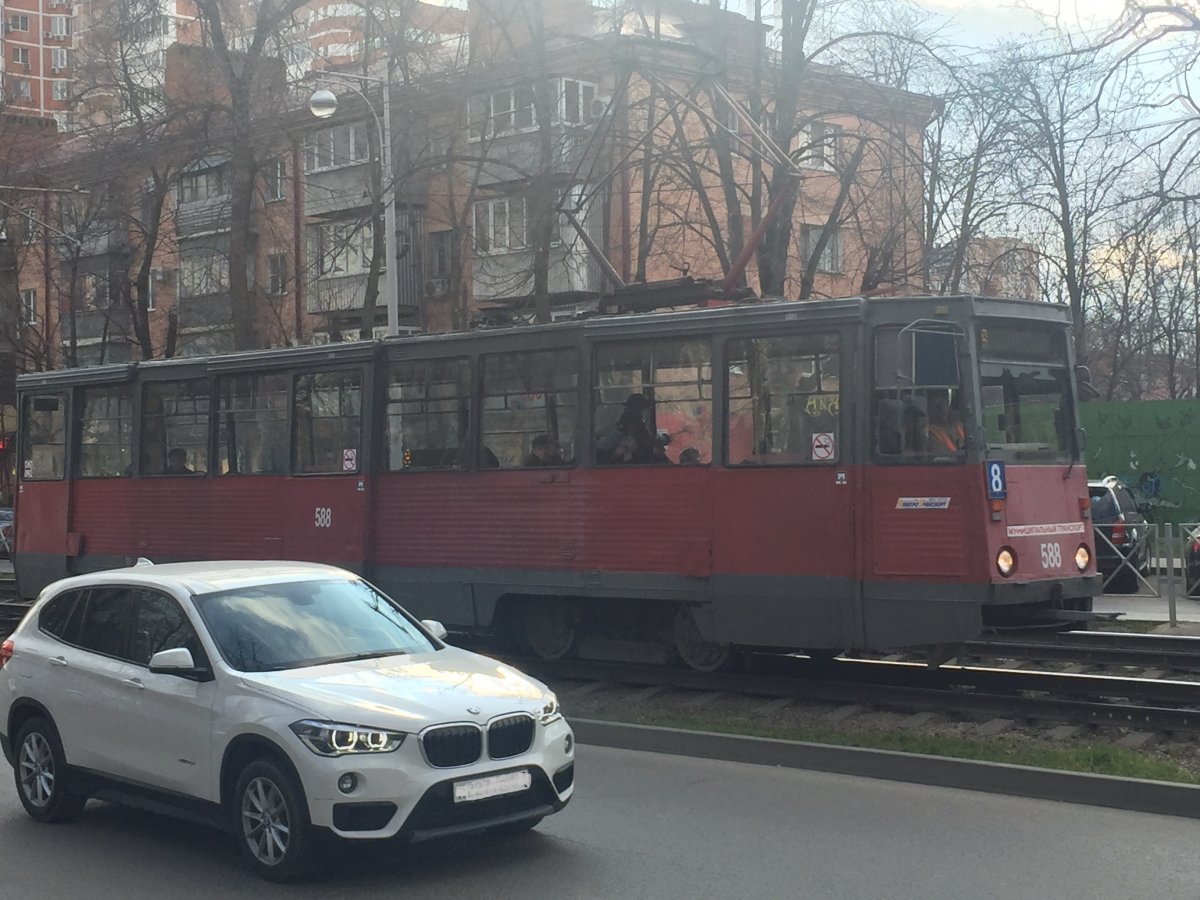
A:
<point x="852" y="473"/>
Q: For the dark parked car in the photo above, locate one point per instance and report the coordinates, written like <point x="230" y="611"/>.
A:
<point x="1121" y="534"/>
<point x="8" y="535"/>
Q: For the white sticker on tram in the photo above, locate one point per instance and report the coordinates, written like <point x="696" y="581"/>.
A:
<point x="1058" y="528"/>
<point x="922" y="503"/>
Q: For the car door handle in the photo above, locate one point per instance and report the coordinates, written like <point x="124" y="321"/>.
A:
<point x="57" y="661"/>
<point x="135" y="682"/>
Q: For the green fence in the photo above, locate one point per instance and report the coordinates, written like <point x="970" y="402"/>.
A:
<point x="1153" y="446"/>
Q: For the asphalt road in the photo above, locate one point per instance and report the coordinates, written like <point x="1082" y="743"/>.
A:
<point x="644" y="825"/>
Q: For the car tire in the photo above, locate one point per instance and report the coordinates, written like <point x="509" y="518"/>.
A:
<point x="41" y="775"/>
<point x="270" y="822"/>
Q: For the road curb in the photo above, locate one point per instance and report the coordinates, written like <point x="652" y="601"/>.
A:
<point x="1135" y="794"/>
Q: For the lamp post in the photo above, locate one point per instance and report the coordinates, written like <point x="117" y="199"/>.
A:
<point x="323" y="104"/>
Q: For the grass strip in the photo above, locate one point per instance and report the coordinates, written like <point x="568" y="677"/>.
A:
<point x="1095" y="758"/>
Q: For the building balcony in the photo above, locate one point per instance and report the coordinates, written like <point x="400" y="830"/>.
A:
<point x="211" y="310"/>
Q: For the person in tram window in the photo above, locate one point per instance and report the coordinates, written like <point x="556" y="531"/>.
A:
<point x="945" y="430"/>
<point x="177" y="463"/>
<point x="545" y="452"/>
<point x="689" y="457"/>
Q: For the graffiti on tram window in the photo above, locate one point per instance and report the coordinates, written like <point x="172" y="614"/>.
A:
<point x="1153" y="448"/>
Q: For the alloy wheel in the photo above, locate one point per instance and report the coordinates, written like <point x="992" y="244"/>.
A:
<point x="266" y="826"/>
<point x="36" y="767"/>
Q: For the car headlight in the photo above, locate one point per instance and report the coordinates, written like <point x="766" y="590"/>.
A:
<point x="338" y="739"/>
<point x="549" y="712"/>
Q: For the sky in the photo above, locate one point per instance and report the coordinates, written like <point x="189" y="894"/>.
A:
<point x="984" y="21"/>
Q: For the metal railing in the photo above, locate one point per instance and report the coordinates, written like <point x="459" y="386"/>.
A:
<point x="1150" y="560"/>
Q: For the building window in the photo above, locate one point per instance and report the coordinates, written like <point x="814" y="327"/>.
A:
<point x="277" y="273"/>
<point x="20" y="55"/>
<point x="18" y="23"/>
<point x="60" y="90"/>
<point x="29" y="229"/>
<point x="59" y="58"/>
<point x="819" y="145"/>
<point x="512" y="110"/>
<point x="97" y="292"/>
<point x="340" y="248"/>
<point x="43" y="437"/>
<point x="59" y="26"/>
<point x="29" y="306"/>
<point x="21" y="89"/>
<point x="150" y="290"/>
<point x="342" y="145"/>
<point x="831" y="255"/>
<point x="198" y="186"/>
<point x="500" y="225"/>
<point x="276" y="180"/>
<point x="443" y="250"/>
<point x="203" y="274"/>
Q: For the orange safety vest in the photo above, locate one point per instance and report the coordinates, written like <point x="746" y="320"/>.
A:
<point x="951" y="436"/>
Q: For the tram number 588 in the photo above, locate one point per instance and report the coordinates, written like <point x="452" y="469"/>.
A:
<point x="323" y="517"/>
<point x="1051" y="556"/>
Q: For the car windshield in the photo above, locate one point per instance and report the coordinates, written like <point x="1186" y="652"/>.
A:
<point x="307" y="623"/>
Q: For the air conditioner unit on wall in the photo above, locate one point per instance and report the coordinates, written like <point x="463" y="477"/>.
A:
<point x="599" y="107"/>
<point x="437" y="287"/>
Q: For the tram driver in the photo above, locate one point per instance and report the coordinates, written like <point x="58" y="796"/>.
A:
<point x="945" y="431"/>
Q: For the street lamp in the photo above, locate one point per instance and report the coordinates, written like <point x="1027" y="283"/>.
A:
<point x="323" y="104"/>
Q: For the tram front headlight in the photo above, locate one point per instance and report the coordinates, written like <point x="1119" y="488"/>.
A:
<point x="1006" y="561"/>
<point x="1083" y="557"/>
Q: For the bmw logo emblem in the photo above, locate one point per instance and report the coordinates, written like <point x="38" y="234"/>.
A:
<point x="473" y="710"/>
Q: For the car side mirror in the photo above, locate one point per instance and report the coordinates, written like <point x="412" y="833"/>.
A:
<point x="436" y="628"/>
<point x="176" y="661"/>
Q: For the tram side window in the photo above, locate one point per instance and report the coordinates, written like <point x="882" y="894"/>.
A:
<point x="653" y="402"/>
<point x="530" y="403"/>
<point x="43" y="437"/>
<point x="918" y="406"/>
<point x="105" y="431"/>
<point x="784" y="400"/>
<point x="328" y="429"/>
<point x="252" y="437"/>
<point x="175" y="427"/>
<point x="428" y="414"/>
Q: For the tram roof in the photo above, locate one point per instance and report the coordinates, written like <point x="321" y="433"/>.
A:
<point x="840" y="308"/>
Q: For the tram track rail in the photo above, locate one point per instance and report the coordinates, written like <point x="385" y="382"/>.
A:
<point x="1078" y="699"/>
<point x="1146" y="651"/>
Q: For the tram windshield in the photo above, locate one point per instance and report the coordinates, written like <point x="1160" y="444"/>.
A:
<point x="1025" y="385"/>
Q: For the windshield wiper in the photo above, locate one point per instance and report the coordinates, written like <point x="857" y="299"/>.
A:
<point x="373" y="654"/>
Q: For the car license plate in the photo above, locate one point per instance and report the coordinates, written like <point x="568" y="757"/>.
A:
<point x="491" y="786"/>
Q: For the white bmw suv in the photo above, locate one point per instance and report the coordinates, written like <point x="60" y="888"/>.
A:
<point x="278" y="700"/>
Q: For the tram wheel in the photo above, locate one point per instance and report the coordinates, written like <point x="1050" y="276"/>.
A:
<point x="552" y="627"/>
<point x="695" y="651"/>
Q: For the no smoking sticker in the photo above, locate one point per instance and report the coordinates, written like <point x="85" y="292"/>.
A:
<point x="349" y="460"/>
<point x="822" y="445"/>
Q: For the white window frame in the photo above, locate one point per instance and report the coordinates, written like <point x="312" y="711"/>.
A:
<point x="494" y="220"/>
<point x="29" y="306"/>
<point x="822" y="143"/>
<point x="341" y="249"/>
<point x="18" y="23"/>
<point x="204" y="275"/>
<point x="516" y="110"/>
<point x="60" y="26"/>
<point x="276" y="180"/>
<point x="60" y="90"/>
<point x="204" y="184"/>
<point x="20" y="55"/>
<point x="276" y="274"/>
<point x="321" y="148"/>
<point x="830" y="261"/>
<point x="22" y="90"/>
<point x="59" y="58"/>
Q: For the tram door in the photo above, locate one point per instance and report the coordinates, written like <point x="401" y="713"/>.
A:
<point x="325" y="504"/>
<point x="785" y="516"/>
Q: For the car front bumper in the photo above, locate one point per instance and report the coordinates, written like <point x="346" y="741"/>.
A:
<point x="399" y="793"/>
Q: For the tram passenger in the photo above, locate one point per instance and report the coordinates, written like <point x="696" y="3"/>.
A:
<point x="945" y="431"/>
<point x="177" y="463"/>
<point x="689" y="456"/>
<point x="545" y="452"/>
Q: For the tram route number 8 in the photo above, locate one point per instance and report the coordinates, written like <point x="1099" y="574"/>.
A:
<point x="323" y="517"/>
<point x="1051" y="556"/>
